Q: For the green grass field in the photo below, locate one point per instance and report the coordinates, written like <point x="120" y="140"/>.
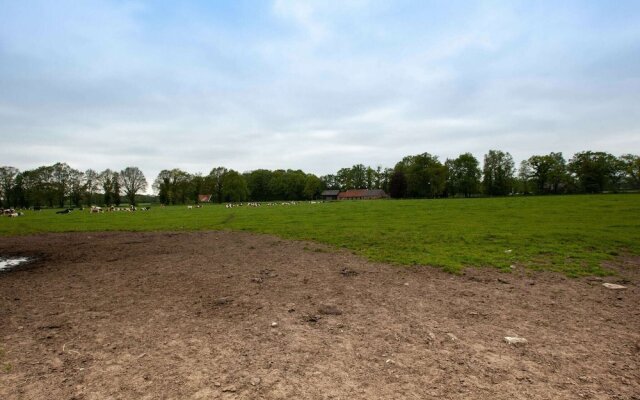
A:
<point x="569" y="234"/>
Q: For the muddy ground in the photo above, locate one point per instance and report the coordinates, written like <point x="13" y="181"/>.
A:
<point x="191" y="316"/>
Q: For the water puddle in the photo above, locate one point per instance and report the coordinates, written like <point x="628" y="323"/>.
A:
<point x="8" y="263"/>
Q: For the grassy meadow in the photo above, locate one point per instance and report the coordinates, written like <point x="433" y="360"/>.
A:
<point x="569" y="234"/>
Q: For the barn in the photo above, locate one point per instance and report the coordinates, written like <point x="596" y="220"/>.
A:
<point x="330" y="194"/>
<point x="362" y="194"/>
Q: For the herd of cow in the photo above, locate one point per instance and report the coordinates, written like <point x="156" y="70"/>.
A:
<point x="285" y="203"/>
<point x="96" y="210"/>
<point x="11" y="213"/>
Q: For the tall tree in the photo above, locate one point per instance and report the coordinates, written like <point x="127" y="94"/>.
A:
<point x="397" y="185"/>
<point x="425" y="175"/>
<point x="77" y="187"/>
<point x="117" y="189"/>
<point x="498" y="173"/>
<point x="61" y="174"/>
<point x="7" y="181"/>
<point x="630" y="164"/>
<point x="92" y="185"/>
<point x="133" y="182"/>
<point x="216" y="176"/>
<point x="330" y="182"/>
<point x="234" y="187"/>
<point x="313" y="187"/>
<point x="258" y="184"/>
<point x="464" y="175"/>
<point x="594" y="170"/>
<point x="106" y="179"/>
<point x="173" y="186"/>
<point x="547" y="172"/>
<point x="344" y="179"/>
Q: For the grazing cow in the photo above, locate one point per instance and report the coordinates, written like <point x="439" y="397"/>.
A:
<point x="67" y="211"/>
<point x="95" y="209"/>
<point x="189" y="207"/>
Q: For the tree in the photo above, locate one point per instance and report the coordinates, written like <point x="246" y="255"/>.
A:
<point x="523" y="183"/>
<point x="258" y="183"/>
<point x="594" y="170"/>
<point x="359" y="176"/>
<point x="498" y="173"/>
<point x="234" y="187"/>
<point x="216" y="176"/>
<point x="630" y="164"/>
<point x="133" y="181"/>
<point x="547" y="172"/>
<point x="162" y="186"/>
<point x="106" y="179"/>
<point x="61" y="174"/>
<point x="77" y="186"/>
<point x="313" y="187"/>
<point x="344" y="179"/>
<point x="397" y="185"/>
<point x="464" y="175"/>
<point x="173" y="186"/>
<point x="92" y="185"/>
<point x="7" y="180"/>
<point x="330" y="182"/>
<point x="117" y="189"/>
<point x="425" y="175"/>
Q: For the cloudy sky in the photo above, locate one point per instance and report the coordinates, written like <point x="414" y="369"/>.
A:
<point x="315" y="85"/>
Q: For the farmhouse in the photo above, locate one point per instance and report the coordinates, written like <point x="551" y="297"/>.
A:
<point x="362" y="194"/>
<point x="330" y="194"/>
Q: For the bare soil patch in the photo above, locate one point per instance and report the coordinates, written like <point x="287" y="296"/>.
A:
<point x="236" y="315"/>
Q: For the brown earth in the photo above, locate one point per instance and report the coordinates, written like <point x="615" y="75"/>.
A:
<point x="190" y="315"/>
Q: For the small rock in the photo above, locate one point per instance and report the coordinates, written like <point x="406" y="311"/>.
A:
<point x="274" y="324"/>
<point x="222" y="301"/>
<point x="255" y="381"/>
<point x="348" y="272"/>
<point x="506" y="282"/>
<point x="613" y="286"/>
<point x="329" y="309"/>
<point x="512" y="266"/>
<point x="311" y="318"/>
<point x="452" y="337"/>
<point x="231" y="389"/>
<point x="406" y="283"/>
<point x="256" y="280"/>
<point x="515" y="340"/>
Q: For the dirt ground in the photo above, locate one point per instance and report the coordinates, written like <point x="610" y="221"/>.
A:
<point x="233" y="315"/>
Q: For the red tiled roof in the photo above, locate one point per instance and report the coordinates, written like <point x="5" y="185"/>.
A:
<point x="362" y="193"/>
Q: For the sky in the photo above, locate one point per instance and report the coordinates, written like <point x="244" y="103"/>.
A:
<point x="313" y="85"/>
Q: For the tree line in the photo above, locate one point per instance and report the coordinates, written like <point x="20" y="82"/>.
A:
<point x="60" y="185"/>
<point x="416" y="176"/>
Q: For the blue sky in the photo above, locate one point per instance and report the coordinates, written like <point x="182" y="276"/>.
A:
<point x="314" y="85"/>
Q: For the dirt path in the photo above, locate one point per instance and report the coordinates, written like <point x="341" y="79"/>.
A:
<point x="189" y="316"/>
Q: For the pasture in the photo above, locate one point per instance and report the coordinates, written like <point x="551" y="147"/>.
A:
<point x="575" y="235"/>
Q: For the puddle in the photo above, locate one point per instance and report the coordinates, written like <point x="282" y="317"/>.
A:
<point x="8" y="263"/>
